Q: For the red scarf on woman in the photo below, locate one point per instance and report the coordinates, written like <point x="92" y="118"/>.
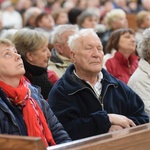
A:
<point x="32" y="113"/>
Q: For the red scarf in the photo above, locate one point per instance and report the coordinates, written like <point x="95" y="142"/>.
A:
<point x="32" y="113"/>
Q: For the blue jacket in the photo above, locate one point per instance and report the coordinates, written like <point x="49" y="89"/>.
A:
<point x="79" y="110"/>
<point x="11" y="120"/>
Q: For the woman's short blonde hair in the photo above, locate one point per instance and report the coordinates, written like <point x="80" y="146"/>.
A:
<point x="7" y="42"/>
<point x="28" y="40"/>
<point x="112" y="16"/>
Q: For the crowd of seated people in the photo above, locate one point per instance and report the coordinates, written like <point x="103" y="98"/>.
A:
<point x="67" y="65"/>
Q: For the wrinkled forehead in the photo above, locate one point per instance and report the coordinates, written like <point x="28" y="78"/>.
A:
<point x="4" y="47"/>
<point x="89" y="40"/>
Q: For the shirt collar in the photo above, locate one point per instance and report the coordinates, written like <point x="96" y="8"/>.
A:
<point x="100" y="77"/>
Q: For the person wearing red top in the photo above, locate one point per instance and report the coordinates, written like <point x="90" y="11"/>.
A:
<point x="52" y="76"/>
<point x="125" y="61"/>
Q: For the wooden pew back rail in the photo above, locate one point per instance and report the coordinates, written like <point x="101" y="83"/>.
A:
<point x="136" y="138"/>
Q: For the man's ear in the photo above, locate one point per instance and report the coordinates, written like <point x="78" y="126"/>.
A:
<point x="29" y="56"/>
<point x="59" y="48"/>
<point x="72" y="56"/>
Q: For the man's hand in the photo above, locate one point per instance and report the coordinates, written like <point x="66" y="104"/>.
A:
<point x="120" y="120"/>
<point x="115" y="128"/>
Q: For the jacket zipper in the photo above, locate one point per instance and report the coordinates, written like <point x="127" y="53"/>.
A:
<point x="100" y="99"/>
<point x="90" y="90"/>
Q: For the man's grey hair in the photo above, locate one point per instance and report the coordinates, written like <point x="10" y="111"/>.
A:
<point x="56" y="35"/>
<point x="73" y="39"/>
<point x="144" y="45"/>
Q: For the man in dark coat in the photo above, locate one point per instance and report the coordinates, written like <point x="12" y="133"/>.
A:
<point x="89" y="101"/>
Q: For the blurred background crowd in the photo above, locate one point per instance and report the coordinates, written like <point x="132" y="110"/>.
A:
<point x="118" y="23"/>
<point x="16" y="14"/>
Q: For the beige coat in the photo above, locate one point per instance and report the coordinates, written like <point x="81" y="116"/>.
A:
<point x="59" y="68"/>
<point x="140" y="83"/>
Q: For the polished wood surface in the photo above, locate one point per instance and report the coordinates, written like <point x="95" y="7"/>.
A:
<point x="9" y="142"/>
<point x="135" y="138"/>
<point x="132" y="21"/>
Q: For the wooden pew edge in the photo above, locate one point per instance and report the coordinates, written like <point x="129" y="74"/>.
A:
<point x="103" y="137"/>
<point x="35" y="141"/>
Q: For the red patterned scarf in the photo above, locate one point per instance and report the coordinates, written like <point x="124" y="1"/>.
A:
<point x="32" y="113"/>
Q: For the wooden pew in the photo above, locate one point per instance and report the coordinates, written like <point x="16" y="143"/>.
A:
<point x="135" y="138"/>
<point x="11" y="142"/>
<point x="127" y="139"/>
